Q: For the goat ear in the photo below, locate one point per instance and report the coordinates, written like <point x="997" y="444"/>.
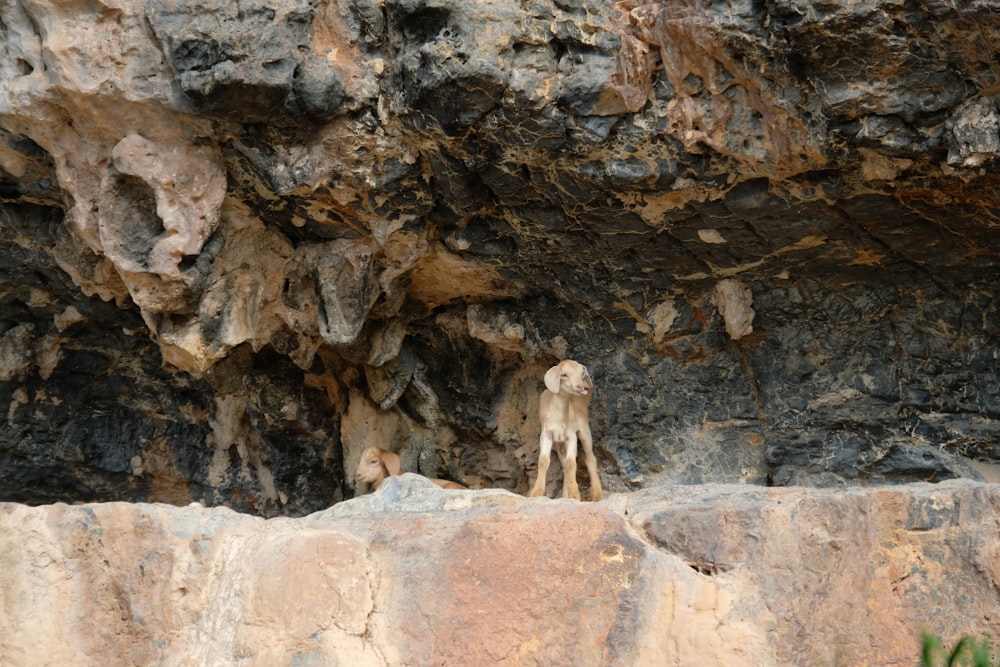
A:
<point x="392" y="463"/>
<point x="588" y="381"/>
<point x="552" y="382"/>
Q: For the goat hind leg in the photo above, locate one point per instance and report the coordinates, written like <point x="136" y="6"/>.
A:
<point x="570" y="487"/>
<point x="596" y="492"/>
<point x="544" y="456"/>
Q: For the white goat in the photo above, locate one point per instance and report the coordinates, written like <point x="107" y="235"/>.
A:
<point x="376" y="464"/>
<point x="563" y="413"/>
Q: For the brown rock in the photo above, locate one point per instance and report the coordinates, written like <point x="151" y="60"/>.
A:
<point x="697" y="575"/>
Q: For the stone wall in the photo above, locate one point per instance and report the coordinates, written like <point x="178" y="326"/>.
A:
<point x="241" y="242"/>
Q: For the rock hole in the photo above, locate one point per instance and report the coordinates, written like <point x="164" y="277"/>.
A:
<point x="27" y="146"/>
<point x="134" y="225"/>
<point x="263" y="14"/>
<point x="178" y="320"/>
<point x="559" y="49"/>
<point x="425" y="25"/>
<point x="300" y="17"/>
<point x="198" y="55"/>
<point x="706" y="568"/>
<point x="187" y="262"/>
<point x="693" y="83"/>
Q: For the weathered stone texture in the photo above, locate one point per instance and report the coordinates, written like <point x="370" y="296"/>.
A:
<point x="233" y="237"/>
<point x="414" y="575"/>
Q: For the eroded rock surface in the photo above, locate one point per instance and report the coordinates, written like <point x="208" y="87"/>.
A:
<point x="237" y="240"/>
<point x="415" y="575"/>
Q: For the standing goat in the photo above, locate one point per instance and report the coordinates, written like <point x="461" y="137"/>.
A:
<point x="376" y="464"/>
<point x="563" y="413"/>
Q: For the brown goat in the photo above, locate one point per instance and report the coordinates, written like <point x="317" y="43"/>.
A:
<point x="376" y="464"/>
<point x="563" y="411"/>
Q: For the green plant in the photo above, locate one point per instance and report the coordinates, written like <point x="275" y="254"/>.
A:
<point x="967" y="652"/>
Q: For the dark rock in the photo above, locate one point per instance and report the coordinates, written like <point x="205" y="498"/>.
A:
<point x="419" y="205"/>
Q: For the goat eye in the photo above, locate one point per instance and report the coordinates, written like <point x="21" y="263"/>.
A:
<point x="563" y="375"/>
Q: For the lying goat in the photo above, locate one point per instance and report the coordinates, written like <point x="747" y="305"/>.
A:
<point x="562" y="411"/>
<point x="376" y="464"/>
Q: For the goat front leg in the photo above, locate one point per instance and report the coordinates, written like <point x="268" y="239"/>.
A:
<point x="570" y="487"/>
<point x="596" y="492"/>
<point x="544" y="456"/>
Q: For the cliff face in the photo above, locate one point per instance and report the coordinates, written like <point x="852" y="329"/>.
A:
<point x="240" y="242"/>
<point x="413" y="575"/>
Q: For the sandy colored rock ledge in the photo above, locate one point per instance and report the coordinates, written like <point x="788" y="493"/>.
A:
<point x="682" y="575"/>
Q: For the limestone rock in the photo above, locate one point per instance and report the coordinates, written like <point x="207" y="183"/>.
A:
<point x="415" y="575"/>
<point x="733" y="299"/>
<point x="769" y="228"/>
<point x="976" y="133"/>
<point x="16" y="352"/>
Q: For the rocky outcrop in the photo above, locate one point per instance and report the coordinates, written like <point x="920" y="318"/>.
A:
<point x="241" y="242"/>
<point x="414" y="575"/>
